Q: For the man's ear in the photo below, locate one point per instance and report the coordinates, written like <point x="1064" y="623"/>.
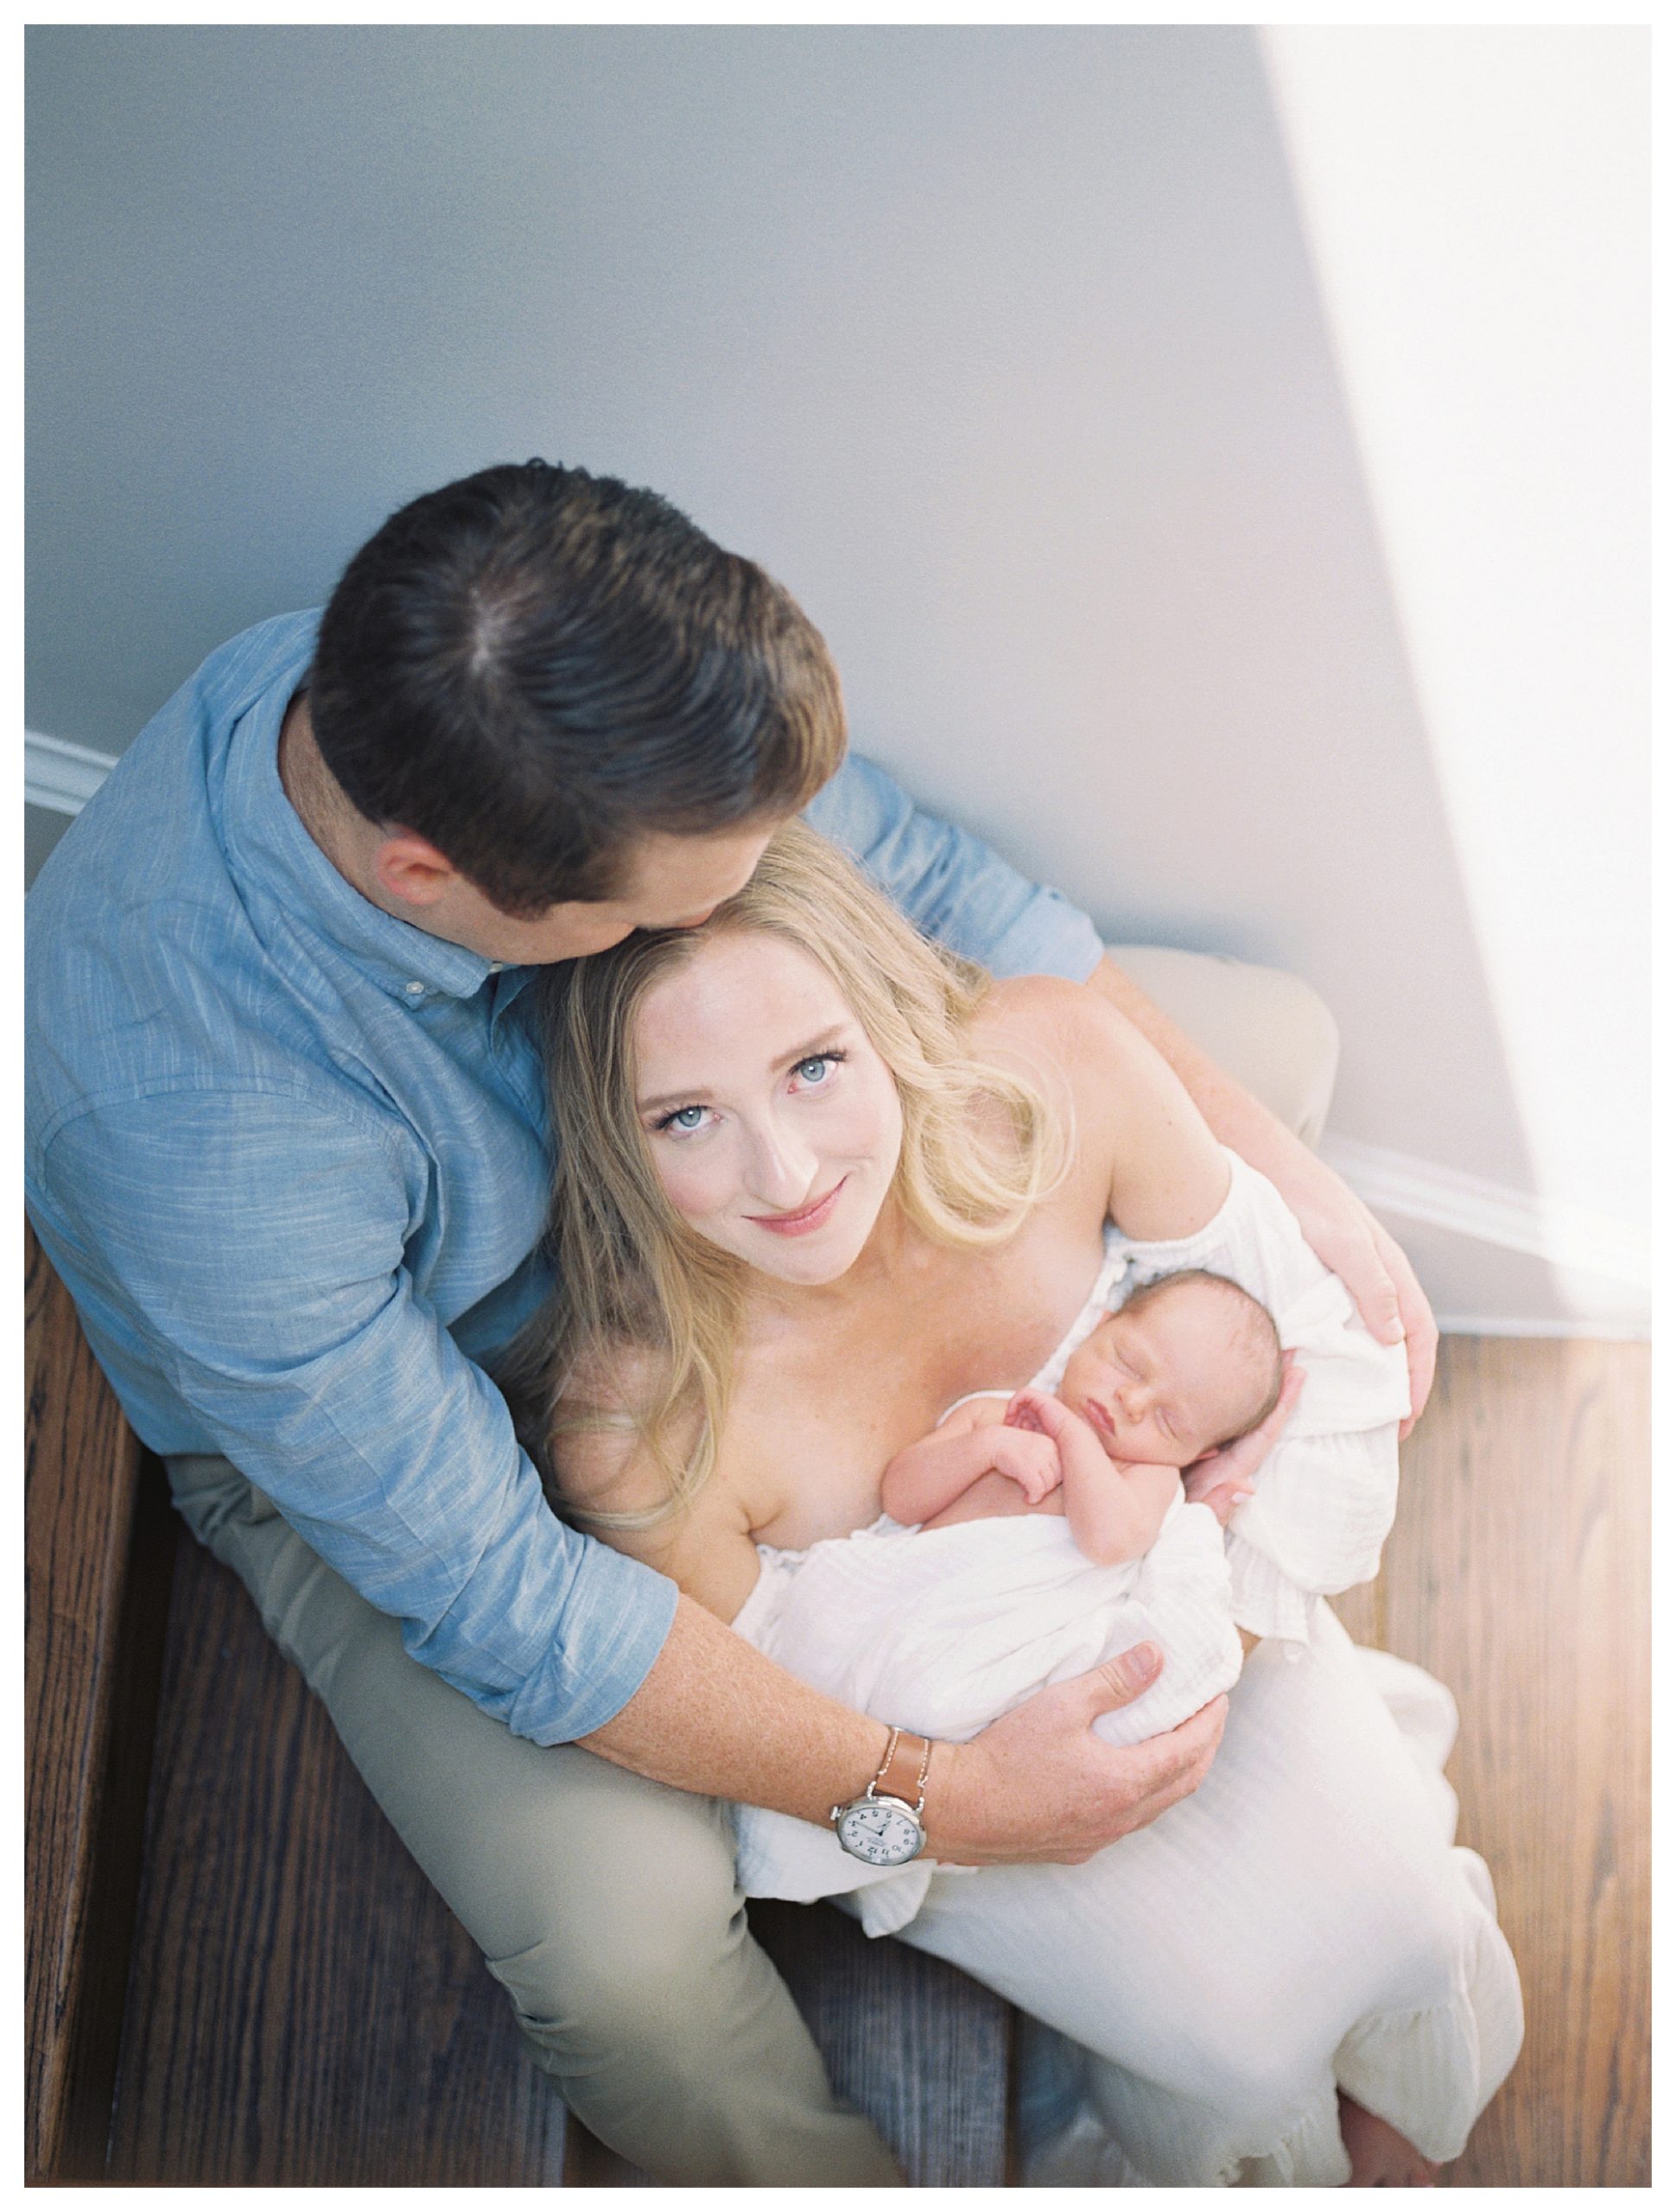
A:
<point x="409" y="867"/>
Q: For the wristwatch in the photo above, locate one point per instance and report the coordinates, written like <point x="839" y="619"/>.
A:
<point x="881" y="1826"/>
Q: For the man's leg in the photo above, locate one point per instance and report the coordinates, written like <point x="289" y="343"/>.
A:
<point x="1267" y="1029"/>
<point x="603" y="1904"/>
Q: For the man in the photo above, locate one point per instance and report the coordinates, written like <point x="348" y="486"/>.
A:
<point x="287" y="1147"/>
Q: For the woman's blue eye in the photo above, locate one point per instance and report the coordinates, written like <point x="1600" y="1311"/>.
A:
<point x="685" y="1118"/>
<point x="816" y="1069"/>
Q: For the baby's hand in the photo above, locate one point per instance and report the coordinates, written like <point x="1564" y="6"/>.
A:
<point x="1031" y="1409"/>
<point x="1026" y="1457"/>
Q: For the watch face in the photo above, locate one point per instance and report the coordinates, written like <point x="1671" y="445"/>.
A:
<point x="881" y="1830"/>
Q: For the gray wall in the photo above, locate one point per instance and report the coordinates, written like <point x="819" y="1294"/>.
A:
<point x="999" y="346"/>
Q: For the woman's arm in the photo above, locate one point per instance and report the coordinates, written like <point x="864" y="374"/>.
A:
<point x="1342" y="1232"/>
<point x="1161" y="1172"/>
<point x="606" y="1467"/>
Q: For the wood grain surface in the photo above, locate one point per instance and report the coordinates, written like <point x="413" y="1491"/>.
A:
<point x="95" y="1589"/>
<point x="918" y="2046"/>
<point x="304" y="2010"/>
<point x="1518" y="1573"/>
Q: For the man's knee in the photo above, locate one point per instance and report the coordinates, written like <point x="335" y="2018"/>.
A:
<point x="1269" y="1030"/>
<point x="649" y="1968"/>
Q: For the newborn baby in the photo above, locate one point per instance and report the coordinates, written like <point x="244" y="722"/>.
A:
<point x="1035" y="1533"/>
<point x="1189" y="1362"/>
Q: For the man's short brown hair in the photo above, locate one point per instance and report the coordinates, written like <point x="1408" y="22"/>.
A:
<point x="533" y="668"/>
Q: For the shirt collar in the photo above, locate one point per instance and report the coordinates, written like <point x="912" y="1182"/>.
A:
<point x="272" y="855"/>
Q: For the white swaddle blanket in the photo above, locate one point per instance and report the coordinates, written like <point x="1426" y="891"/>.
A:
<point x="941" y="1631"/>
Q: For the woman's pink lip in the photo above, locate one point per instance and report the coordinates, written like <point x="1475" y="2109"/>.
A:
<point x="799" y="1225"/>
<point x="1096" y="1414"/>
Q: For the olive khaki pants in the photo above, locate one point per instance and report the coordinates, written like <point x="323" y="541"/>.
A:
<point x="605" y="1904"/>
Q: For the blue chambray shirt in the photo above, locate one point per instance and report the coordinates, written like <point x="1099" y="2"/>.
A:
<point x="289" y="1156"/>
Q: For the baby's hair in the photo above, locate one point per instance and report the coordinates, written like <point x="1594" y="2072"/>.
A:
<point x="1262" y="1338"/>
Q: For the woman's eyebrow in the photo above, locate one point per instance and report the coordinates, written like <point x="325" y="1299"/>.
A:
<point x="697" y="1093"/>
<point x="695" y="1096"/>
<point x="812" y="1050"/>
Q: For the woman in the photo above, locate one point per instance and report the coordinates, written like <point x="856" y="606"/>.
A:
<point x="817" y="1182"/>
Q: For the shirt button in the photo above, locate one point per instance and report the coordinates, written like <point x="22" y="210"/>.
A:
<point x="495" y="967"/>
<point x="414" y="989"/>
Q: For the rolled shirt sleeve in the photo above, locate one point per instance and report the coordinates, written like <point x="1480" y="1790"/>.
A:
<point x="949" y="883"/>
<point x="279" y="1308"/>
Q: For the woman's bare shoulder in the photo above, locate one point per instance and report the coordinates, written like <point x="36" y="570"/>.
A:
<point x="1055" y="1024"/>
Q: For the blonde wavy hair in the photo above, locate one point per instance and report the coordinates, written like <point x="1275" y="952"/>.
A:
<point x="980" y="1148"/>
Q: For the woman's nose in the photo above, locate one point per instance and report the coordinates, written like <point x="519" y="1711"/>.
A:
<point x="780" y="1169"/>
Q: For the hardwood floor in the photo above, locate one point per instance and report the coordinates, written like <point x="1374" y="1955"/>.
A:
<point x="1518" y="1571"/>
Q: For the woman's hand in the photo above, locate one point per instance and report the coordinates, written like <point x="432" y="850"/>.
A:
<point x="1039" y="1784"/>
<point x="1223" y="1481"/>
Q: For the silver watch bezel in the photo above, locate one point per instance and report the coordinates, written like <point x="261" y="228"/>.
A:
<point x="873" y="1796"/>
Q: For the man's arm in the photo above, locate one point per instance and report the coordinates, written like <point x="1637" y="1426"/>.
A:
<point x="249" y="1247"/>
<point x="279" y="1308"/>
<point x="715" y="1716"/>
<point x="1340" y="1230"/>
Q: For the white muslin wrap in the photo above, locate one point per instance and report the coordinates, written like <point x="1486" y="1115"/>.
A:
<point x="941" y="1631"/>
<point x="1205" y="1986"/>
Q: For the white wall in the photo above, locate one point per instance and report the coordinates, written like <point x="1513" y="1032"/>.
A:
<point x="1003" y="348"/>
<point x="1476" y="207"/>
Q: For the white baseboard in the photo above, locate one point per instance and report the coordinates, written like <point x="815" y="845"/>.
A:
<point x="1592" y="1276"/>
<point x="1524" y="1325"/>
<point x="1572" y="1238"/>
<point x="60" y="775"/>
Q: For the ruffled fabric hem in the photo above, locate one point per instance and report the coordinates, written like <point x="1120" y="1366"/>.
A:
<point x="1428" y="2073"/>
<point x="1265" y="1602"/>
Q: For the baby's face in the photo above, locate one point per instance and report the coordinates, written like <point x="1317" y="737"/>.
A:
<point x="1166" y="1384"/>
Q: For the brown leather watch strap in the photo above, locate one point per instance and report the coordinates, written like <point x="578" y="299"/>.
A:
<point x="907" y="1761"/>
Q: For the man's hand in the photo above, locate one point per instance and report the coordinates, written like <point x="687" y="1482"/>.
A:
<point x="1221" y="1479"/>
<point x="1372" y="1266"/>
<point x="1039" y="1784"/>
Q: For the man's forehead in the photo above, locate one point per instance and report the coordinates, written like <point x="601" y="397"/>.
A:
<point x="668" y="871"/>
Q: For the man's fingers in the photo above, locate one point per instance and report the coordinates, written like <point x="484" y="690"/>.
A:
<point x="1418" y="1327"/>
<point x="1381" y="1310"/>
<point x="1121" y="1678"/>
<point x="1178" y="1761"/>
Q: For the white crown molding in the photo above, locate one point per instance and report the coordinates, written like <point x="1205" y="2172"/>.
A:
<point x="1573" y="1239"/>
<point x="60" y="776"/>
